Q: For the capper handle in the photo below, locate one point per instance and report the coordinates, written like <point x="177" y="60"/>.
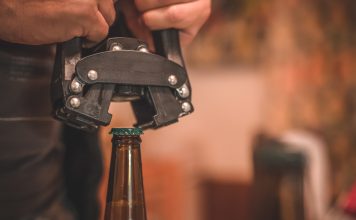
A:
<point x="167" y="44"/>
<point x="164" y="106"/>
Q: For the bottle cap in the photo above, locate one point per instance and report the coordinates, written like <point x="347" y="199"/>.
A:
<point x="126" y="131"/>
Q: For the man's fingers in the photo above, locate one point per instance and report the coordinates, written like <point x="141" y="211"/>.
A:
<point x="145" y="5"/>
<point x="171" y="16"/>
<point x="180" y="16"/>
<point x="135" y="23"/>
<point x="99" y="29"/>
<point x="107" y="9"/>
<point x="186" y="15"/>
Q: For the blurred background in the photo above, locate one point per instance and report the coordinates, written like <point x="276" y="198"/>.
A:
<point x="273" y="132"/>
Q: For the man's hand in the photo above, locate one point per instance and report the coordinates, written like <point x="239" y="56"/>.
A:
<point x="186" y="15"/>
<point x="49" y="21"/>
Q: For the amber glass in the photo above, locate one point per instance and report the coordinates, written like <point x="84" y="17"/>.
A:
<point x="125" y="197"/>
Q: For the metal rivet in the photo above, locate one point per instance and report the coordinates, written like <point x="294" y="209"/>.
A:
<point x="76" y="87"/>
<point x="183" y="91"/>
<point x="143" y="48"/>
<point x="172" y="79"/>
<point x="186" y="107"/>
<point x="75" y="102"/>
<point x="116" y="47"/>
<point x="92" y="75"/>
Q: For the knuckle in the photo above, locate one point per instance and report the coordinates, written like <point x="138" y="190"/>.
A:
<point x="87" y="11"/>
<point x="206" y="11"/>
<point x="112" y="18"/>
<point x="205" y="15"/>
<point x="174" y="15"/>
<point x="78" y="31"/>
<point x="103" y="32"/>
<point x="146" y="20"/>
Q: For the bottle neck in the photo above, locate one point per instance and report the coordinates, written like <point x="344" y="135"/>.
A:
<point x="125" y="196"/>
<point x="126" y="140"/>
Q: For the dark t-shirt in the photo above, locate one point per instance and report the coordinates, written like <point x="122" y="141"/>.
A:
<point x="38" y="172"/>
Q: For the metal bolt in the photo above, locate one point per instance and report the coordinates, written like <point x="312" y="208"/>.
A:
<point x="116" y="47"/>
<point x="75" y="102"/>
<point x="143" y="48"/>
<point x="183" y="91"/>
<point x="76" y="87"/>
<point x="186" y="107"/>
<point x="172" y="79"/>
<point x="92" y="75"/>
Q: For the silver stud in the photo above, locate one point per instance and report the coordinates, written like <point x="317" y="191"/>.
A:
<point x="76" y="87"/>
<point x="143" y="48"/>
<point x="116" y="47"/>
<point x="172" y="79"/>
<point x="92" y="75"/>
<point x="183" y="91"/>
<point x="186" y="107"/>
<point x="75" y="102"/>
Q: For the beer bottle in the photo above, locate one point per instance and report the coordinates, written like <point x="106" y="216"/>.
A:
<point x="125" y="196"/>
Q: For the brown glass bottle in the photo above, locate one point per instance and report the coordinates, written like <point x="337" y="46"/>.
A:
<point x="125" y="196"/>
